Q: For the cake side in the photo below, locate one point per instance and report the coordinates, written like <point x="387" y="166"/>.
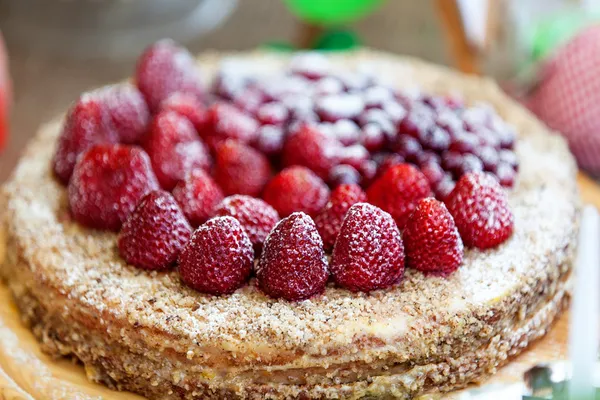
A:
<point x="425" y="320"/>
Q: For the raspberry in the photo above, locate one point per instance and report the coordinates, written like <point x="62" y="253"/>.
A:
<point x="480" y="209"/>
<point x="187" y="105"/>
<point x="165" y="68"/>
<point x="431" y="240"/>
<point x="398" y="190"/>
<point x="86" y="124"/>
<point x="154" y="234"/>
<point x="368" y="253"/>
<point x="198" y="195"/>
<point x="311" y="148"/>
<point x="224" y="121"/>
<point x="174" y="148"/>
<point x="329" y="221"/>
<point x="296" y="189"/>
<point x="107" y="183"/>
<point x="239" y="169"/>
<point x="218" y="258"/>
<point x="128" y="112"/>
<point x="293" y="264"/>
<point x="256" y="216"/>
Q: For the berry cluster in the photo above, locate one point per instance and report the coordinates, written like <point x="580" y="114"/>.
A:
<point x="284" y="171"/>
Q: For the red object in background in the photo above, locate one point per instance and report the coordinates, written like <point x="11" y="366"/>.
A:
<point x="4" y="95"/>
<point x="568" y="96"/>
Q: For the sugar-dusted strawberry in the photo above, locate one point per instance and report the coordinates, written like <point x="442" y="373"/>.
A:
<point x="293" y="264"/>
<point x="368" y="253"/>
<point x="165" y="68"/>
<point x="329" y="220"/>
<point x="154" y="234"/>
<point x="86" y="124"/>
<point x="174" y="148"/>
<point x="311" y="148"/>
<point x="255" y="215"/>
<point x="218" y="258"/>
<point x="127" y="111"/>
<point x="107" y="183"/>
<point x="296" y="189"/>
<point x="431" y="240"/>
<point x="481" y="211"/>
<point x="225" y="121"/>
<point x="189" y="106"/>
<point x="198" y="196"/>
<point x="240" y="169"/>
<point x="398" y="190"/>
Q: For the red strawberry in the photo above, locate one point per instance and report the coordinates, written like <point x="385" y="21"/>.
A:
<point x="239" y="169"/>
<point x="296" y="189"/>
<point x="189" y="106"/>
<point x="165" y="68"/>
<point x="311" y="148"/>
<point x="329" y="221"/>
<point x="293" y="264"/>
<point x="368" y="253"/>
<point x="154" y="234"/>
<point x="398" y="190"/>
<point x="127" y="111"/>
<point x="174" y="148"/>
<point x="256" y="217"/>
<point x="225" y="121"/>
<point x="431" y="240"/>
<point x="481" y="211"/>
<point x="107" y="183"/>
<point x="218" y="258"/>
<point x="86" y="124"/>
<point x="198" y="195"/>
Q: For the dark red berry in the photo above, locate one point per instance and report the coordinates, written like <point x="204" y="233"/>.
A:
<point x="329" y="220"/>
<point x="346" y="132"/>
<point x="239" y="169"/>
<point x="444" y="187"/>
<point x="198" y="195"/>
<point x="269" y="140"/>
<point x="218" y="258"/>
<point x="408" y="147"/>
<point x="107" y="183"/>
<point x="435" y="139"/>
<point x="506" y="174"/>
<point x="296" y="189"/>
<point x="165" y="68"/>
<point x="368" y="171"/>
<point x="354" y="155"/>
<point x="418" y="121"/>
<point x="464" y="143"/>
<point x="256" y="216"/>
<point x="373" y="137"/>
<point x="470" y="163"/>
<point x="368" y="253"/>
<point x="224" y="121"/>
<point x="189" y="106"/>
<point x="272" y="114"/>
<point x="431" y="240"/>
<point x="341" y="106"/>
<point x="452" y="162"/>
<point x="174" y="148"/>
<point x="250" y="100"/>
<point x="310" y="65"/>
<point x="432" y="171"/>
<point x="509" y="157"/>
<point x="343" y="174"/>
<point x="127" y="111"/>
<point x="293" y="264"/>
<point x="311" y="148"/>
<point x="489" y="157"/>
<point x="481" y="211"/>
<point x="154" y="234"/>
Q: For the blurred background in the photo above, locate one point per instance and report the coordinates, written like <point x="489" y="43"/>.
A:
<point x="59" y="48"/>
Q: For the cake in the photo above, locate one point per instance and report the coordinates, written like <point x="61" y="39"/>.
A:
<point x="150" y="332"/>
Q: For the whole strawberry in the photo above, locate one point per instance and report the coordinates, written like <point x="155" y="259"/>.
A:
<point x="256" y="216"/>
<point x="311" y="148"/>
<point x="481" y="211"/>
<point x="154" y="234"/>
<point x="198" y="195"/>
<point x="174" y="148"/>
<point x="329" y="220"/>
<point x="431" y="240"/>
<point x="107" y="183"/>
<point x="189" y="106"/>
<point x="296" y="189"/>
<point x="218" y="258"/>
<point x="127" y="111"/>
<point x="165" y="68"/>
<point x="240" y="169"/>
<point x="86" y="124"/>
<point x="398" y="190"/>
<point x="293" y="265"/>
<point x="368" y="253"/>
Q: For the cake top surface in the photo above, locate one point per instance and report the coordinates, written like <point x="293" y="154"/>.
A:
<point x="85" y="265"/>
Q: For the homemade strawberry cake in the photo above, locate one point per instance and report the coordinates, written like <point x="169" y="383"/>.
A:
<point x="290" y="226"/>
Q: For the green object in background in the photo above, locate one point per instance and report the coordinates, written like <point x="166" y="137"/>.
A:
<point x="337" y="40"/>
<point x="332" y="12"/>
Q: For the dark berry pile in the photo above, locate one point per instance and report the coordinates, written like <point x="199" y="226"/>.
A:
<point x="276" y="171"/>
